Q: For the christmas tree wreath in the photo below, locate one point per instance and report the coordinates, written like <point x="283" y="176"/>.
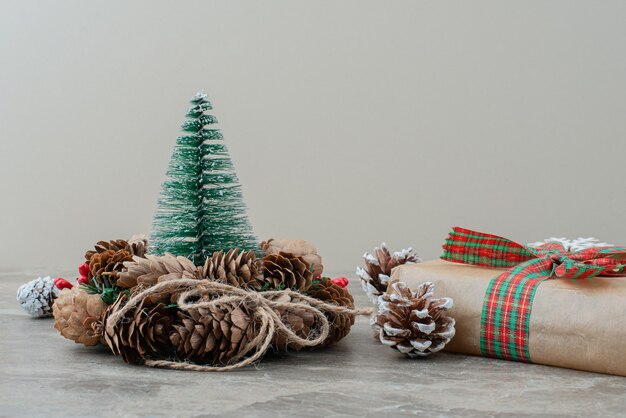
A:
<point x="203" y="293"/>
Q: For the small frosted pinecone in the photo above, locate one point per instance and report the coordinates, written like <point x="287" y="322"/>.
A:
<point x="340" y="323"/>
<point x="375" y="277"/>
<point x="79" y="316"/>
<point x="236" y="268"/>
<point x="143" y="333"/>
<point x="148" y="271"/>
<point x="109" y="257"/>
<point x="412" y="322"/>
<point x="297" y="247"/>
<point x="213" y="336"/>
<point x="287" y="271"/>
<point x="37" y="296"/>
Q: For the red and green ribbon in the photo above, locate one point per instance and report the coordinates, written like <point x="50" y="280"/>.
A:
<point x="508" y="301"/>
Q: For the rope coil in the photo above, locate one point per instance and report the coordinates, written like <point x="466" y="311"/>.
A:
<point x="263" y="305"/>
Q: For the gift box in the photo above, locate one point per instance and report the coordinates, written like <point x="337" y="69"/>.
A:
<point x="547" y="304"/>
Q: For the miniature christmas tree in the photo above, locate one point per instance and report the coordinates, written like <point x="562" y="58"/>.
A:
<point x="201" y="208"/>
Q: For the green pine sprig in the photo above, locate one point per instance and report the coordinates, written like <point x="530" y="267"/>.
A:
<point x="268" y="286"/>
<point x="315" y="285"/>
<point x="105" y="287"/>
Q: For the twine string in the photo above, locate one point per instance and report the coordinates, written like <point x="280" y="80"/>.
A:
<point x="264" y="305"/>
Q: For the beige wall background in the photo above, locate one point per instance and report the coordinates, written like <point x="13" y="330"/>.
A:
<point x="350" y="122"/>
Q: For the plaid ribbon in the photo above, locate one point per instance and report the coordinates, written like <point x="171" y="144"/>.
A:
<point x="506" y="309"/>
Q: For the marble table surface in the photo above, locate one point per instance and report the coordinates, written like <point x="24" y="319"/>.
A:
<point x="42" y="374"/>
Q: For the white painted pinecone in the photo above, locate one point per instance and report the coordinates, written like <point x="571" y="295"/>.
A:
<point x="36" y="297"/>
<point x="378" y="266"/>
<point x="412" y="322"/>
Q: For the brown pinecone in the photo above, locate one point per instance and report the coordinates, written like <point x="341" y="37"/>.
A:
<point x="240" y="269"/>
<point x="109" y="256"/>
<point x="108" y="263"/>
<point x="412" y="322"/>
<point x="298" y="248"/>
<point x="143" y="333"/>
<point x="326" y="291"/>
<point x="102" y="246"/>
<point x="300" y="321"/>
<point x="287" y="271"/>
<point x="136" y="245"/>
<point x="378" y="266"/>
<point x="213" y="336"/>
<point x="78" y="315"/>
<point x="148" y="271"/>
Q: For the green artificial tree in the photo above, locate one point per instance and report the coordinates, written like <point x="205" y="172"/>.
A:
<point x="201" y="208"/>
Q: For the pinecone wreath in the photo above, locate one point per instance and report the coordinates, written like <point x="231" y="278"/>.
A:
<point x="244" y="270"/>
<point x="412" y="322"/>
<point x="378" y="266"/>
<point x="148" y="309"/>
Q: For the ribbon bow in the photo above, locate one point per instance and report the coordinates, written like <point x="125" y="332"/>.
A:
<point x="506" y="310"/>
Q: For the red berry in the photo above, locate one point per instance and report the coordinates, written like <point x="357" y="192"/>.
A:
<point x="61" y="283"/>
<point x="340" y="281"/>
<point x="83" y="269"/>
<point x="83" y="280"/>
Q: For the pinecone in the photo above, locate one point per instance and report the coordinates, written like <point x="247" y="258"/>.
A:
<point x="300" y="321"/>
<point x="298" y="248"/>
<point x="143" y="333"/>
<point x="287" y="271"/>
<point x="109" y="257"/>
<point x="102" y="246"/>
<point x="214" y="336"/>
<point x="78" y="315"/>
<point x="108" y="263"/>
<point x="412" y="322"/>
<point x="145" y="272"/>
<point x="375" y="276"/>
<point x="240" y="269"/>
<point x="324" y="290"/>
<point x="138" y="245"/>
<point x="37" y="296"/>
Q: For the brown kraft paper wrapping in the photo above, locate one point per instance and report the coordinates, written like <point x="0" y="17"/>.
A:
<point x="577" y="324"/>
